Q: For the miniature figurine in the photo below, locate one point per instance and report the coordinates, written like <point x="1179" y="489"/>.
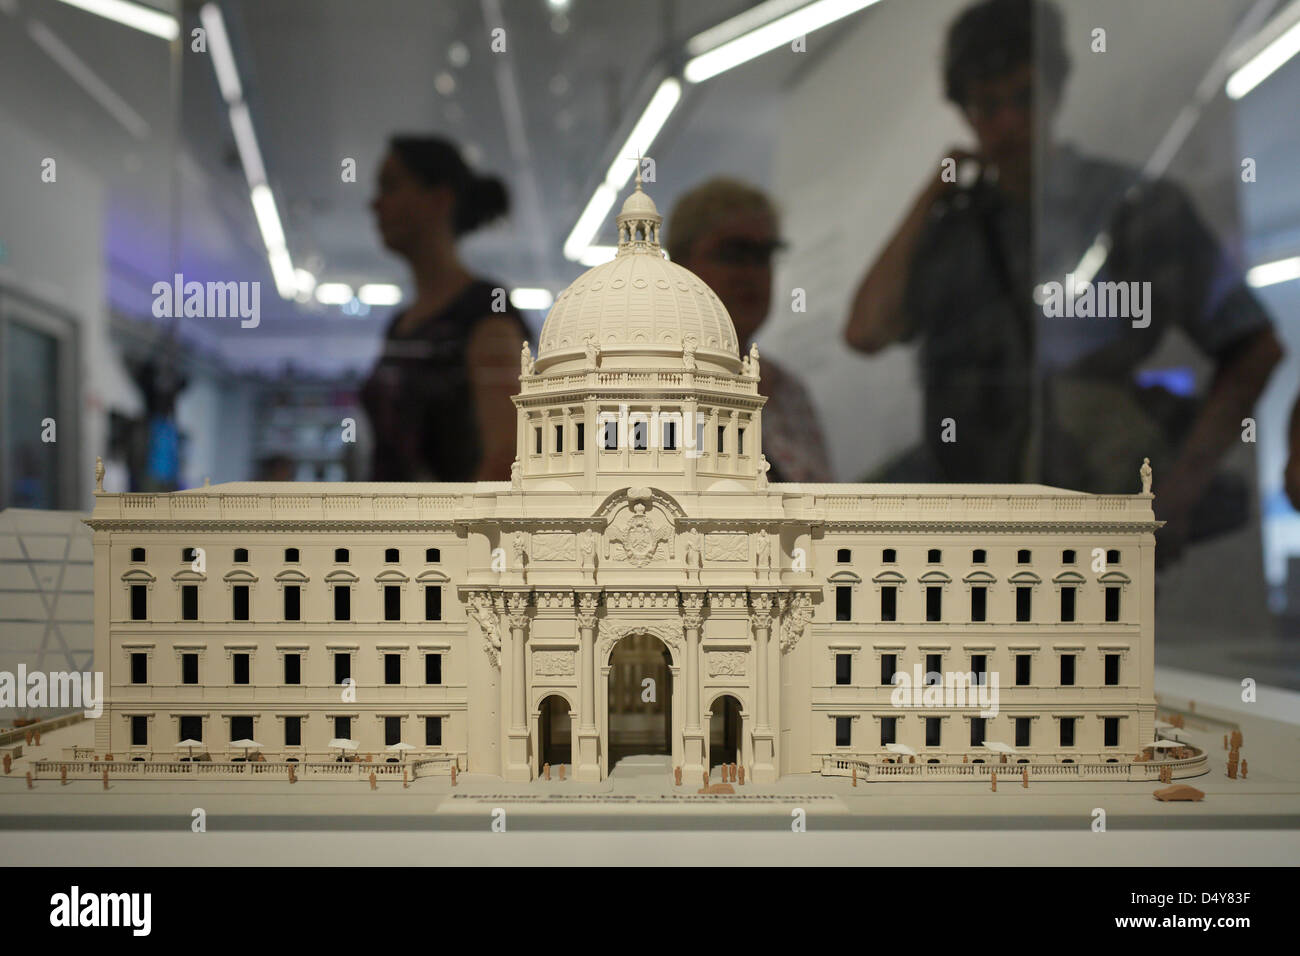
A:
<point x="525" y="359"/>
<point x="1146" y="476"/>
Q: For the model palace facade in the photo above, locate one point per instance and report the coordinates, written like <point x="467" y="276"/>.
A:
<point x="486" y="621"/>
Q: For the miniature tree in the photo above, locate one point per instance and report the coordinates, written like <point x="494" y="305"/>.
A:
<point x="373" y="781"/>
<point x="546" y="771"/>
<point x="742" y="776"/>
<point x="1025" y="778"/>
<point x="994" y="777"/>
<point x="562" y="766"/>
<point x="677" y="776"/>
<point x="1233" y="757"/>
<point x="453" y="774"/>
<point x="9" y="762"/>
<point x="1243" y="768"/>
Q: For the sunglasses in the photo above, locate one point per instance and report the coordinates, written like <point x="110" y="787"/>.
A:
<point x="746" y="252"/>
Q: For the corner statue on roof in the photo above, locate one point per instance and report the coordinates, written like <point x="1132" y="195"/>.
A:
<point x="497" y="627"/>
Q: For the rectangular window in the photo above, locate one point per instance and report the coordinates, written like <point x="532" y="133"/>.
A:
<point x="139" y="668"/>
<point x="670" y="436"/>
<point x="1022" y="670"/>
<point x="392" y="668"/>
<point x="888" y="730"/>
<point x="189" y="602"/>
<point x="1112" y="604"/>
<point x="580" y="437"/>
<point x="932" y="731"/>
<point x="293" y="668"/>
<point x="699" y="438"/>
<point x="740" y="441"/>
<point x="1111" y="731"/>
<point x="1024" y="603"/>
<point x="843" y="602"/>
<point x="241" y="668"/>
<point x="934" y="603"/>
<point x="611" y="436"/>
<point x="977" y="731"/>
<point x="843" y="731"/>
<point x="433" y="731"/>
<point x="888" y="667"/>
<point x="889" y="603"/>
<point x="979" y="667"/>
<point x="559" y="439"/>
<point x="1067" y="670"/>
<point x="190" y="669"/>
<point x="392" y="731"/>
<point x="537" y="441"/>
<point x="139" y="602"/>
<point x="1112" y="670"/>
<point x="722" y="438"/>
<point x="342" y="667"/>
<point x="1067" y="731"/>
<point x="191" y="727"/>
<point x="241" y="728"/>
<point x="979" y="603"/>
<point x="392" y="602"/>
<point x="843" y="669"/>
<point x="139" y="730"/>
<point x="1022" y="731"/>
<point x="433" y="602"/>
<point x="292" y="602"/>
<point x="933" y="669"/>
<point x="640" y="435"/>
<point x="433" y="668"/>
<point x="293" y="731"/>
<point x="240" y="594"/>
<point x="342" y="602"/>
<point x="1067" y="604"/>
<point x="343" y="728"/>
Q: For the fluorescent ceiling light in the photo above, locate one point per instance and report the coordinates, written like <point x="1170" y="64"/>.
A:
<point x="134" y="15"/>
<point x="223" y="59"/>
<point x="779" y="32"/>
<point x="333" y="293"/>
<point x="643" y="134"/>
<point x="380" y="293"/>
<point x="1264" y="63"/>
<point x="1271" y="273"/>
<point x="286" y="280"/>
<point x="268" y="218"/>
<point x="741" y="23"/>
<point x="531" y="298"/>
<point x="596" y="255"/>
<point x="250" y="156"/>
<point x="304" y="284"/>
<point x="588" y="224"/>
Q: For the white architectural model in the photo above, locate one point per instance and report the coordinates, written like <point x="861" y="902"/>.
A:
<point x="494" y="623"/>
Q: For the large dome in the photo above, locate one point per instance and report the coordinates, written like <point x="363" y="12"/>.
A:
<point x="638" y="303"/>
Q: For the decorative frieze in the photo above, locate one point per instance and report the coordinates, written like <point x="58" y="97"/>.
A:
<point x="554" y="546"/>
<point x="553" y="663"/>
<point x="725" y="663"/>
<point x="726" y="546"/>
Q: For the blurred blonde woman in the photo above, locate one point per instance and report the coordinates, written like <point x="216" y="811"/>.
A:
<point x="726" y="232"/>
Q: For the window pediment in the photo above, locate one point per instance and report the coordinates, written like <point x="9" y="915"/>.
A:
<point x="341" y="576"/>
<point x="980" y="577"/>
<point x="292" y="576"/>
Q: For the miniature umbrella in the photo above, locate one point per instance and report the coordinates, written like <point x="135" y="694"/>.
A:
<point x="191" y="744"/>
<point x="342" y="743"/>
<point x="1167" y="744"/>
<point x="998" y="747"/>
<point x="903" y="749"/>
<point x="247" y="744"/>
<point x="401" y="747"/>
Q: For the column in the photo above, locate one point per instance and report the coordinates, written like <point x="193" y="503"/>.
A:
<point x="760" y="618"/>
<point x="518" y="766"/>
<point x="692" y="732"/>
<point x="587" y="758"/>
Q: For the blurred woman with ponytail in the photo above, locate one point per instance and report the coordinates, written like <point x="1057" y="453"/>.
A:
<point x="439" y="395"/>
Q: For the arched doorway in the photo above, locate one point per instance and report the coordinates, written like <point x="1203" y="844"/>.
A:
<point x="554" y="732"/>
<point x="640" y="698"/>
<point x="724" y="731"/>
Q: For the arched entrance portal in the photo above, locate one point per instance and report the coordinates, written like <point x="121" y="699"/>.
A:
<point x="554" y="732"/>
<point x="724" y="731"/>
<point x="640" y="698"/>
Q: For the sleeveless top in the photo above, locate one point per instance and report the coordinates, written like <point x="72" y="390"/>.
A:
<point x="419" y="396"/>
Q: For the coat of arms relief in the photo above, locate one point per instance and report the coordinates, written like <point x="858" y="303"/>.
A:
<point x="640" y="534"/>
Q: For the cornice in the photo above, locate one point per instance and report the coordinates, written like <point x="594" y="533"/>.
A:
<point x="990" y="527"/>
<point x="144" y="523"/>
